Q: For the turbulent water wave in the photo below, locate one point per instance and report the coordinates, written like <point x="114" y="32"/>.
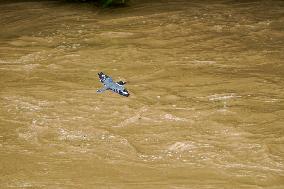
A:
<point x="206" y="106"/>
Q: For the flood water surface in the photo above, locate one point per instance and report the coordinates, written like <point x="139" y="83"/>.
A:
<point x="206" y="95"/>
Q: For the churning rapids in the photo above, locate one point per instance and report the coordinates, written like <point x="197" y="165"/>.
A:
<point x="206" y="106"/>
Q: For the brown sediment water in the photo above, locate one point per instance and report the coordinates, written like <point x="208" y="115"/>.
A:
<point x="206" y="95"/>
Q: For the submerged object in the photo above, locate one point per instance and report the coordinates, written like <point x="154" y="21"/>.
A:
<point x="109" y="84"/>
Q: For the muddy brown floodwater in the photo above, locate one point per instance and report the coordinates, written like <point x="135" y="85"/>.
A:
<point x="206" y="107"/>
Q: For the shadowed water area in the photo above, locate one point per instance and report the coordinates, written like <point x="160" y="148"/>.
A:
<point x="206" y="95"/>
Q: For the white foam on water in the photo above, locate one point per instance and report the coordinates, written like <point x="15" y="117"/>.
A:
<point x="217" y="97"/>
<point x="65" y="134"/>
<point x="182" y="146"/>
<point x="172" y="117"/>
